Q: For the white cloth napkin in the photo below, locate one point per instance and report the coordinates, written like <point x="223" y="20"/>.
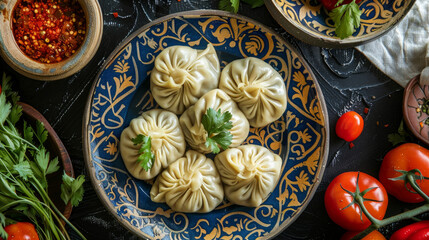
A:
<point x="403" y="52"/>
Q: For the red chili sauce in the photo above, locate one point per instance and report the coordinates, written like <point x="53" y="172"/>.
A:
<point x="48" y="31"/>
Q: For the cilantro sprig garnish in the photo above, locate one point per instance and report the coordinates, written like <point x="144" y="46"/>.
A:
<point x="232" y="5"/>
<point x="146" y="157"/>
<point x="217" y="125"/>
<point x="346" y="18"/>
<point x="25" y="164"/>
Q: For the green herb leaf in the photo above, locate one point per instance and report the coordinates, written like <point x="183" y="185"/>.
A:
<point x="217" y="125"/>
<point x="53" y="166"/>
<point x="41" y="133"/>
<point x="7" y="189"/>
<point x="254" y="3"/>
<point x="72" y="189"/>
<point x="398" y="137"/>
<point x="139" y="139"/>
<point x="38" y="174"/>
<point x="42" y="159"/>
<point x="212" y="144"/>
<point x="146" y="158"/>
<point x="6" y="84"/>
<point x="15" y="114"/>
<point x="229" y="5"/>
<point x="395" y="138"/>
<point x="5" y="162"/>
<point x="346" y="18"/>
<point x="23" y="169"/>
<point x="27" y="132"/>
<point x="8" y="142"/>
<point x="21" y="156"/>
<point x="3" y="233"/>
<point x="339" y="2"/>
<point x="22" y="207"/>
<point x="224" y="139"/>
<point x="5" y="108"/>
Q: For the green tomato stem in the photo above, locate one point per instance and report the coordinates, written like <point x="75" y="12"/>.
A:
<point x="411" y="179"/>
<point x="410" y="214"/>
<point x="359" y="199"/>
<point x="405" y="215"/>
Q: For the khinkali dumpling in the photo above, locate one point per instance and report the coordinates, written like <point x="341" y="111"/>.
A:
<point x="168" y="143"/>
<point x="190" y="184"/>
<point x="193" y="129"/>
<point x="257" y="88"/>
<point x="249" y="173"/>
<point x="182" y="75"/>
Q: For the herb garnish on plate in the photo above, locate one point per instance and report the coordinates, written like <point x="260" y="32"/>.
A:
<point x="146" y="157"/>
<point x="217" y="125"/>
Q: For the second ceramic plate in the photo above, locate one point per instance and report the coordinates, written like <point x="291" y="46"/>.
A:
<point x="308" y="21"/>
<point x="121" y="92"/>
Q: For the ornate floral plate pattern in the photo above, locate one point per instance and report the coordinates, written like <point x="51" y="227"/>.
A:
<point x="309" y="21"/>
<point x="121" y="92"/>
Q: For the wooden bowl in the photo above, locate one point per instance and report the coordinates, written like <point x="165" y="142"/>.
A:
<point x="414" y="96"/>
<point x="28" y="67"/>
<point x="308" y="21"/>
<point x="56" y="149"/>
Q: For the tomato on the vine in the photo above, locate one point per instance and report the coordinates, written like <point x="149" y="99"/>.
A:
<point x="330" y="4"/>
<point x="349" y="126"/>
<point x="342" y="207"/>
<point x="418" y="230"/>
<point x="374" y="235"/>
<point x="21" y="231"/>
<point x="405" y="157"/>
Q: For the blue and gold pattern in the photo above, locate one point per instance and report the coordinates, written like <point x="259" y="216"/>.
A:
<point x="310" y="15"/>
<point x="122" y="92"/>
<point x="309" y="21"/>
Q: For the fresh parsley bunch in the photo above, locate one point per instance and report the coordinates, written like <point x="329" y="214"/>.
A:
<point x="24" y="165"/>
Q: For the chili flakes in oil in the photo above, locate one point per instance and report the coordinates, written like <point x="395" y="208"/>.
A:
<point x="49" y="31"/>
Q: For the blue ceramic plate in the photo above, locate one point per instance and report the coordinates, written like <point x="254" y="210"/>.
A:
<point x="121" y="92"/>
<point x="309" y="21"/>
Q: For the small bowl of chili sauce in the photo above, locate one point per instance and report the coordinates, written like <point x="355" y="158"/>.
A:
<point x="49" y="39"/>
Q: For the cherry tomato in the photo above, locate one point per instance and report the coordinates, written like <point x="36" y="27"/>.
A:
<point x="337" y="200"/>
<point x="413" y="231"/>
<point x="330" y="4"/>
<point x="374" y="235"/>
<point x="405" y="157"/>
<point x="349" y="126"/>
<point x="21" y="231"/>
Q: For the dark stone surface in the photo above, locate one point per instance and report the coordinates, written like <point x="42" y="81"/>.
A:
<point x="347" y="79"/>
